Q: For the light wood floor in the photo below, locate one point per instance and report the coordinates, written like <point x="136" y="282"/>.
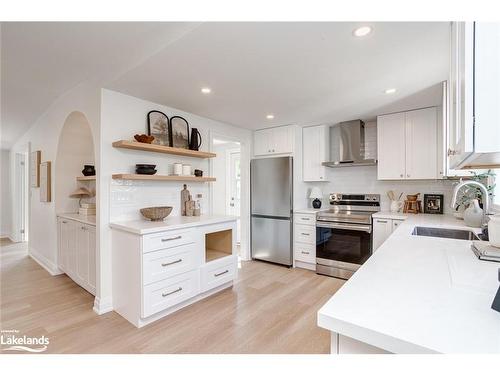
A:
<point x="270" y="309"/>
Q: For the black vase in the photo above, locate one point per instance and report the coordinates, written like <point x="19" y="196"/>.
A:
<point x="316" y="203"/>
<point x="88" y="170"/>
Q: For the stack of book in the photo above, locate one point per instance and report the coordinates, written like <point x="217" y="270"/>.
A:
<point x="87" y="209"/>
<point x="485" y="251"/>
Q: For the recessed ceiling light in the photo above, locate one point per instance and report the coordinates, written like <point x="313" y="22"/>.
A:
<point x="390" y="91"/>
<point x="362" y="31"/>
<point x="206" y="90"/>
<point x="270" y="117"/>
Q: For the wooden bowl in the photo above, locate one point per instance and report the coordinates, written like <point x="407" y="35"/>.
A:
<point x="144" y="138"/>
<point x="156" y="213"/>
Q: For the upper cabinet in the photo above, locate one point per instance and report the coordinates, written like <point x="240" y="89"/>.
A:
<point x="315" y="152"/>
<point x="474" y="108"/>
<point x="272" y="141"/>
<point x="407" y="145"/>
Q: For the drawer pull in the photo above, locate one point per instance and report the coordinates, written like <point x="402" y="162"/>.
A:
<point x="305" y="234"/>
<point x="382" y="221"/>
<point x="64" y="222"/>
<point x="170" y="263"/>
<point x="305" y="219"/>
<point x="171" y="239"/>
<point x="169" y="293"/>
<point x="305" y="252"/>
<point x="220" y="273"/>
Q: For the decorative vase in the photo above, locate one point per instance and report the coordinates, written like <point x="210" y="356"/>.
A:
<point x="473" y="215"/>
<point x="88" y="170"/>
<point x="316" y="203"/>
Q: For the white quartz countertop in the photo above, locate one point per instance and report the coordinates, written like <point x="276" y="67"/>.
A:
<point x="170" y="223"/>
<point x="420" y="295"/>
<point x="90" y="219"/>
<point x="392" y="215"/>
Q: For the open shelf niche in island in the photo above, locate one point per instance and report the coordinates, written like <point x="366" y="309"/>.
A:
<point x="218" y="244"/>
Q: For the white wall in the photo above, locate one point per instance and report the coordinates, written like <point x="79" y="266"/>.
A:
<point x="123" y="116"/>
<point x="44" y="136"/>
<point x="5" y="203"/>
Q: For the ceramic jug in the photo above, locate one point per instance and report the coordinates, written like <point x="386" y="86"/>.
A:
<point x="396" y="206"/>
<point x="473" y="215"/>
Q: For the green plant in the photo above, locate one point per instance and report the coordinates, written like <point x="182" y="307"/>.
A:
<point x="472" y="192"/>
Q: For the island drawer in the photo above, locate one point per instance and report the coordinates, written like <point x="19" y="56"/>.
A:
<point x="167" y="293"/>
<point x="165" y="240"/>
<point x="162" y="264"/>
<point x="218" y="272"/>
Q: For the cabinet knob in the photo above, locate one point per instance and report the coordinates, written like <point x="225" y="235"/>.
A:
<point x="452" y="152"/>
<point x="321" y="178"/>
<point x="273" y="150"/>
<point x="401" y="175"/>
<point x="407" y="175"/>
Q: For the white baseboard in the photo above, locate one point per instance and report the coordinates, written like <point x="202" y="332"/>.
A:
<point x="103" y="305"/>
<point x="307" y="266"/>
<point x="49" y="266"/>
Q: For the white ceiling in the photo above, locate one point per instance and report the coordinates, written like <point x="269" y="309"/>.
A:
<point x="303" y="73"/>
<point x="42" y="61"/>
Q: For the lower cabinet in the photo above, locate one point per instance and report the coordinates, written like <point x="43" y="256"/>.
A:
<point x="77" y="252"/>
<point x="304" y="244"/>
<point x="382" y="229"/>
<point x="157" y="274"/>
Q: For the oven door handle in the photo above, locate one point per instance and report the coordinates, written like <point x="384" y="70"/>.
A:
<point x="356" y="227"/>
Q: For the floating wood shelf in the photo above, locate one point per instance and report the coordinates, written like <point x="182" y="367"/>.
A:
<point x="85" y="178"/>
<point x="155" y="177"/>
<point x="163" y="149"/>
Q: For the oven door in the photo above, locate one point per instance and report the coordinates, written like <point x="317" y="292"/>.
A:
<point x="343" y="245"/>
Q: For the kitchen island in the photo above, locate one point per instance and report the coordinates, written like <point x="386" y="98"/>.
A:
<point x="161" y="267"/>
<point x="417" y="295"/>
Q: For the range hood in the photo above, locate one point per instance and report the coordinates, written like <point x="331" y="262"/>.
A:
<point x="347" y="145"/>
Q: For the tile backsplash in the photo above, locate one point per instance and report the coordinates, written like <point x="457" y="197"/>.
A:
<point x="128" y="197"/>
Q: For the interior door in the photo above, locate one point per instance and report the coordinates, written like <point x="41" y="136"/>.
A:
<point x="421" y="144"/>
<point x="235" y="188"/>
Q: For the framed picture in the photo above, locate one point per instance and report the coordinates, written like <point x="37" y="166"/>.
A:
<point x="35" y="158"/>
<point x="45" y="182"/>
<point x="179" y="132"/>
<point x="158" y="127"/>
<point x="433" y="203"/>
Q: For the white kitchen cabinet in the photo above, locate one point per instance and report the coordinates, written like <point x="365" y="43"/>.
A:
<point x="77" y="252"/>
<point x="474" y="112"/>
<point x="273" y="141"/>
<point x="383" y="228"/>
<point x="391" y="145"/>
<point x="155" y="274"/>
<point x="304" y="244"/>
<point x="314" y="153"/>
<point x="407" y="145"/>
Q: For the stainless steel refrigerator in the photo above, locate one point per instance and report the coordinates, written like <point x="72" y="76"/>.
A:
<point x="271" y="209"/>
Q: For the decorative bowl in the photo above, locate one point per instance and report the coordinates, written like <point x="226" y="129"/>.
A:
<point x="144" y="138"/>
<point x="156" y="213"/>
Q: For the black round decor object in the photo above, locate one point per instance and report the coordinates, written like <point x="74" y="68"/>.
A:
<point x="316" y="203"/>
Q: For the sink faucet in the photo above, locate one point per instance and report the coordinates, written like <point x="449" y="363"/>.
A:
<point x="484" y="192"/>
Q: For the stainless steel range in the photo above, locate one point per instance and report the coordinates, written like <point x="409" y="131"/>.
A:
<point x="344" y="234"/>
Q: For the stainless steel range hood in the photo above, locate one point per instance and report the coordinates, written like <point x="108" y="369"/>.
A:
<point x="347" y="145"/>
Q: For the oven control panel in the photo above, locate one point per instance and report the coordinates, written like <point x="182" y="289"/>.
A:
<point x="339" y="197"/>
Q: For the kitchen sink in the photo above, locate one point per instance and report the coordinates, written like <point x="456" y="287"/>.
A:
<point x="456" y="234"/>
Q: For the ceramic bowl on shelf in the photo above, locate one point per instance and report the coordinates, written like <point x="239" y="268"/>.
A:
<point x="156" y="213"/>
<point x="145" y="169"/>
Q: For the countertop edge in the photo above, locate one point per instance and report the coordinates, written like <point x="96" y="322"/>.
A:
<point x="80" y="218"/>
